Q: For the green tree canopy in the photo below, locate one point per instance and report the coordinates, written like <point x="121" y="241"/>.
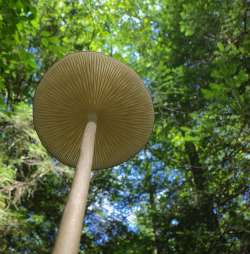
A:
<point x="188" y="191"/>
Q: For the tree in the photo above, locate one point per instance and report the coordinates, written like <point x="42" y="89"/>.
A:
<point x="188" y="190"/>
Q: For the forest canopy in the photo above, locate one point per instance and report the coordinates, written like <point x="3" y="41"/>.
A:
<point x="188" y="190"/>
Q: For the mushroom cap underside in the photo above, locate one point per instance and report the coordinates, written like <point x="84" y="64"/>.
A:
<point x="89" y="82"/>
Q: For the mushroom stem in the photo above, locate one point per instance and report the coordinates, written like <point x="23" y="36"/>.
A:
<point x="68" y="239"/>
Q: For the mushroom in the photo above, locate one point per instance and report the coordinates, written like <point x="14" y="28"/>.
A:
<point x="90" y="112"/>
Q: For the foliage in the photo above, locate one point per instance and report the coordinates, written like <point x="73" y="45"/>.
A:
<point x="188" y="190"/>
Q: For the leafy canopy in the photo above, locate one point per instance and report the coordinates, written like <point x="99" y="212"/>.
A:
<point x="188" y="190"/>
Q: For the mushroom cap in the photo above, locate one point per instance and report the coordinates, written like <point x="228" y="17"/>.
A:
<point x="89" y="82"/>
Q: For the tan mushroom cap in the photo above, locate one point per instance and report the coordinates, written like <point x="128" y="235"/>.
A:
<point x="89" y="82"/>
